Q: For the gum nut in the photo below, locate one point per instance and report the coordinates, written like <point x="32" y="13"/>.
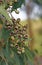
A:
<point x="23" y="51"/>
<point x="18" y="52"/>
<point x="16" y="27"/>
<point x="16" y="11"/>
<point x="9" y="28"/>
<point x="12" y="38"/>
<point x="11" y="45"/>
<point x="24" y="29"/>
<point x="15" y="0"/>
<point x="26" y="35"/>
<point x="16" y="45"/>
<point x="21" y="35"/>
<point x="23" y="48"/>
<point x="25" y="26"/>
<point x="17" y="41"/>
<point x="22" y="41"/>
<point x="18" y="20"/>
<point x="12" y="32"/>
<point x="19" y="49"/>
<point x="13" y="20"/>
<point x="7" y="23"/>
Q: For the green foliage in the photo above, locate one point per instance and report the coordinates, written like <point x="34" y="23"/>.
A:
<point x="6" y="4"/>
<point x="4" y="13"/>
<point x="14" y="3"/>
<point x="13" y="35"/>
<point x="12" y="44"/>
<point x="17" y="4"/>
<point x="39" y="2"/>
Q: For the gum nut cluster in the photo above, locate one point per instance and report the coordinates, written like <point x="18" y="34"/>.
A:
<point x="18" y="35"/>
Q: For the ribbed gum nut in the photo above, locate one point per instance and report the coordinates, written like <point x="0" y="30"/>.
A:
<point x="16" y="11"/>
<point x="23" y="50"/>
<point x="11" y="45"/>
<point x="17" y="41"/>
<point x="12" y="38"/>
<point x="18" y="52"/>
<point x="7" y="23"/>
<point x="15" y="0"/>
<point x="12" y="33"/>
<point x="18" y="20"/>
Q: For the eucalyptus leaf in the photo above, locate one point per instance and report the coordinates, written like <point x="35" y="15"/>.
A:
<point x="4" y="13"/>
<point x="17" y="4"/>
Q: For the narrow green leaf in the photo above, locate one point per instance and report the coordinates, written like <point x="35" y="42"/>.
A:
<point x="29" y="56"/>
<point x="4" y="13"/>
<point x="17" y="4"/>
